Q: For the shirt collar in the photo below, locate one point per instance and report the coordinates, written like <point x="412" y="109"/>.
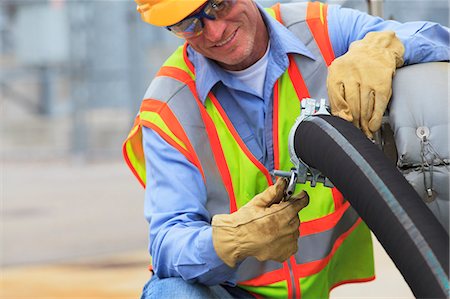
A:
<point x="208" y="73"/>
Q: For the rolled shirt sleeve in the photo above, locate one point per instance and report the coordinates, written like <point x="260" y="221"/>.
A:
<point x="423" y="41"/>
<point x="180" y="232"/>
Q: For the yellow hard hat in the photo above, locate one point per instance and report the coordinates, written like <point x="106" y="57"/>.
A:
<point x="166" y="12"/>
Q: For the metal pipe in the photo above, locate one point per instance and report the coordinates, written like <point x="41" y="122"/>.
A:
<point x="376" y="7"/>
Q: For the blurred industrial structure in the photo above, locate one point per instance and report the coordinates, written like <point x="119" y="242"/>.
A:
<point x="72" y="72"/>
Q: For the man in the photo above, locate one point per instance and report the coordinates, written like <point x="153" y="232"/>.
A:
<point x="214" y="123"/>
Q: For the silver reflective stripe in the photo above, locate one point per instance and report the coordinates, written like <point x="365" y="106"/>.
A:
<point x="185" y="107"/>
<point x="252" y="268"/>
<point x="293" y="14"/>
<point x="163" y="89"/>
<point x="396" y="208"/>
<point x="314" y="72"/>
<point x="315" y="247"/>
<point x="182" y="103"/>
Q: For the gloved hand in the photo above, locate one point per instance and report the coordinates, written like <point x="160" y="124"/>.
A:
<point x="265" y="227"/>
<point x="359" y="82"/>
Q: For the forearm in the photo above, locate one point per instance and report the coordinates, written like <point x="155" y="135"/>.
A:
<point x="188" y="252"/>
<point x="423" y="41"/>
<point x="429" y="43"/>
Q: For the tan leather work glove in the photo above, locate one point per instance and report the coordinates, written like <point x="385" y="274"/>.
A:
<point x="359" y="82"/>
<point x="265" y="227"/>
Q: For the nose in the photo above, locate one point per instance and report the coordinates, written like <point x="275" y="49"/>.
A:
<point x="214" y="29"/>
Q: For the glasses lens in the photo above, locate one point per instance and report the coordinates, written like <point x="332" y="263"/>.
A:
<point x="193" y="26"/>
<point x="187" y="28"/>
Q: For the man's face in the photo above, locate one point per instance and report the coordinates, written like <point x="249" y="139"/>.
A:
<point x="235" y="41"/>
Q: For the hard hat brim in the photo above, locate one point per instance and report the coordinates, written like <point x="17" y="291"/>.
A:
<point x="170" y="12"/>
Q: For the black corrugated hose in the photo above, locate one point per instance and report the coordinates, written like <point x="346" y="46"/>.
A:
<point x="405" y="227"/>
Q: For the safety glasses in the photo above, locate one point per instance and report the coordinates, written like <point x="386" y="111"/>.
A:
<point x="193" y="25"/>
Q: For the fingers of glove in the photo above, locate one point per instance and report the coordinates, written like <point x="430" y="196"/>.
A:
<point x="299" y="201"/>
<point x="367" y="107"/>
<point x="336" y="90"/>
<point x="336" y="95"/>
<point x="353" y="98"/>
<point x="280" y="187"/>
<point x="273" y="194"/>
<point x="381" y="101"/>
<point x="287" y="215"/>
<point x="284" y="212"/>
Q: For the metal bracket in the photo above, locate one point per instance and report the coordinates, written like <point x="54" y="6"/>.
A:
<point x="301" y="172"/>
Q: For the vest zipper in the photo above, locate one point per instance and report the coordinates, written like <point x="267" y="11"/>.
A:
<point x="292" y="278"/>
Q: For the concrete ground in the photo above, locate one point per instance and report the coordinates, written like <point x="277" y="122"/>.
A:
<point x="76" y="230"/>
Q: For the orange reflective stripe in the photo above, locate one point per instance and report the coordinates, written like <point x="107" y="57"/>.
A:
<point x="302" y="92"/>
<point x="131" y="142"/>
<point x="218" y="152"/>
<point x="276" y="9"/>
<point x="338" y="198"/>
<point x="297" y="79"/>
<point x="316" y="18"/>
<point x="353" y="281"/>
<point x="175" y="144"/>
<point x="186" y="59"/>
<point x="182" y="76"/>
<point x="175" y="127"/>
<point x="272" y="277"/>
<point x="266" y="278"/>
<point x="276" y="147"/>
<point x="175" y="73"/>
<point x="324" y="223"/>
<point x="314" y="267"/>
<point x="241" y="143"/>
<point x="256" y="295"/>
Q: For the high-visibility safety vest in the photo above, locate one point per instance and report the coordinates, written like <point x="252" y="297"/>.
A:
<point x="335" y="246"/>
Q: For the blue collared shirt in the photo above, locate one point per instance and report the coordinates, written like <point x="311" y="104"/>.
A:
<point x="175" y="199"/>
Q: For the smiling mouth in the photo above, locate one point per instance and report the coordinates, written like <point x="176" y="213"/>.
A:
<point x="226" y="41"/>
